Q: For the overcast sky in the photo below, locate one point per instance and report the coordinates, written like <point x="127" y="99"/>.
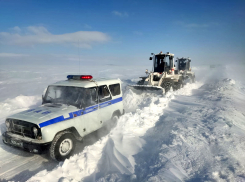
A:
<point x="120" y="32"/>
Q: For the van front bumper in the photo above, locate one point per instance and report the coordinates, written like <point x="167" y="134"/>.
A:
<point x="23" y="143"/>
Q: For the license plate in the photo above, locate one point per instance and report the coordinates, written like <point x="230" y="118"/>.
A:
<point x="17" y="143"/>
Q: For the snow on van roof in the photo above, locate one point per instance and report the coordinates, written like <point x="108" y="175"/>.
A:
<point x="87" y="83"/>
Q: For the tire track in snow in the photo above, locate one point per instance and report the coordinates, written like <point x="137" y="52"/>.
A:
<point x="13" y="165"/>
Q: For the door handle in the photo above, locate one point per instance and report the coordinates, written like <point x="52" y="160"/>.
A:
<point x="109" y="102"/>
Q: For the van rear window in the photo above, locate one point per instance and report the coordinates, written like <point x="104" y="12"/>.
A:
<point x="104" y="94"/>
<point x="115" y="89"/>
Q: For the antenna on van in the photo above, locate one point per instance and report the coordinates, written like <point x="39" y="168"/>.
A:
<point x="79" y="55"/>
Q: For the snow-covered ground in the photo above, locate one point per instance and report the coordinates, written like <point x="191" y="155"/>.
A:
<point x="194" y="134"/>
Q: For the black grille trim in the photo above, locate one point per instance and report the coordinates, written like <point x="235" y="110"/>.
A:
<point x="23" y="128"/>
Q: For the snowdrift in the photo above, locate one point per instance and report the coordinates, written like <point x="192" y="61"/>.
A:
<point x="194" y="134"/>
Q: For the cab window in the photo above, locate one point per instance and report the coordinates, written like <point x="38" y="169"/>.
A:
<point x="89" y="97"/>
<point x="182" y="65"/>
<point x="104" y="94"/>
<point x="115" y="89"/>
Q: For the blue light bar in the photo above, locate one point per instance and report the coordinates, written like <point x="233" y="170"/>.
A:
<point x="79" y="77"/>
<point x="69" y="77"/>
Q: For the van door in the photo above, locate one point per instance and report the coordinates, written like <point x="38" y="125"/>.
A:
<point x="105" y="109"/>
<point x="89" y="118"/>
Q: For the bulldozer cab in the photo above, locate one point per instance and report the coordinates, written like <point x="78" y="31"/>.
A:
<point x="183" y="63"/>
<point x="162" y="62"/>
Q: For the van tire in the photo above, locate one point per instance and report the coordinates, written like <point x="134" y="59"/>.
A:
<point x="116" y="113"/>
<point x="65" y="139"/>
<point x="114" y="121"/>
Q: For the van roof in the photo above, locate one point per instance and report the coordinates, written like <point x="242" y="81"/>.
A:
<point x="87" y="83"/>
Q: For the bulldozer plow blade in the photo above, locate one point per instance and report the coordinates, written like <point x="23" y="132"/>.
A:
<point x="145" y="88"/>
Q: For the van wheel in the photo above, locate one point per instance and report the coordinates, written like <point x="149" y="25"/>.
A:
<point x="63" y="145"/>
<point x="114" y="120"/>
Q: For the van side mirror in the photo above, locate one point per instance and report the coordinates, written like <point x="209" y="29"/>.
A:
<point x="152" y="53"/>
<point x="42" y="99"/>
<point x="150" y="58"/>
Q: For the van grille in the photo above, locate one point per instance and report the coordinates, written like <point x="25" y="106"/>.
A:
<point x="22" y="128"/>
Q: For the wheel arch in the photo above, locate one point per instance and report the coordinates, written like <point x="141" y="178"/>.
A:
<point x="73" y="131"/>
<point x="116" y="113"/>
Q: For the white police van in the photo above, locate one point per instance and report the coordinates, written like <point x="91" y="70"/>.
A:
<point x="70" y="110"/>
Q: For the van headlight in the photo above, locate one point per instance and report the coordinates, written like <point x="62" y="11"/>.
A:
<point x="7" y="123"/>
<point x="35" y="131"/>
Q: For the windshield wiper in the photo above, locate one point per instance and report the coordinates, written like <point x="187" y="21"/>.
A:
<point x="50" y="97"/>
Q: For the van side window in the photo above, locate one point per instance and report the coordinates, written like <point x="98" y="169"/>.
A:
<point x="104" y="94"/>
<point x="89" y="97"/>
<point x="115" y="89"/>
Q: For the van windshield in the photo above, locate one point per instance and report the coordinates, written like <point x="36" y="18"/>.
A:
<point x="75" y="96"/>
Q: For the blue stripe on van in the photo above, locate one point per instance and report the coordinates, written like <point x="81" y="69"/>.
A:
<point x="80" y="112"/>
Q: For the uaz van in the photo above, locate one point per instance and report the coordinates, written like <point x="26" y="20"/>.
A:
<point x="70" y="110"/>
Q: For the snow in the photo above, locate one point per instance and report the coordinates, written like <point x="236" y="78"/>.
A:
<point x="193" y="134"/>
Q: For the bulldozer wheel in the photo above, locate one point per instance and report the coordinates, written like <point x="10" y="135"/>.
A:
<point x="167" y="85"/>
<point x="178" y="85"/>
